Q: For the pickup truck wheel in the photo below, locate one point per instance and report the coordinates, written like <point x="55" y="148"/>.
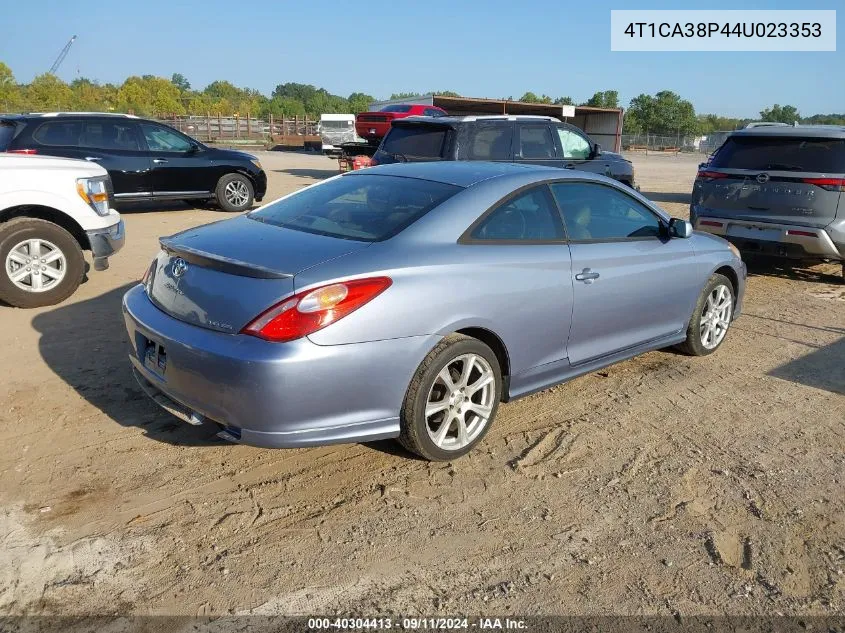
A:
<point x="42" y="263"/>
<point x="234" y="193"/>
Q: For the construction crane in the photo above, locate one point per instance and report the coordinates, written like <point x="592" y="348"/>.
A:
<point x="62" y="56"/>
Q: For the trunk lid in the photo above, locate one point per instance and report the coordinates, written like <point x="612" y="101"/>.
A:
<point x="775" y="179"/>
<point x="223" y="275"/>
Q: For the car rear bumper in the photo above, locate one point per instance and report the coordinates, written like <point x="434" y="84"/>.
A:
<point x="105" y="243"/>
<point x="271" y="394"/>
<point x="779" y="240"/>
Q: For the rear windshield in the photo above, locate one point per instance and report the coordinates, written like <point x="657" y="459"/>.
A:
<point x="366" y="208"/>
<point x="776" y="153"/>
<point x="416" y="141"/>
<point x="7" y="131"/>
<point x="396" y="108"/>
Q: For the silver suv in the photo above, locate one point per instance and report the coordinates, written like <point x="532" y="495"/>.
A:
<point x="777" y="191"/>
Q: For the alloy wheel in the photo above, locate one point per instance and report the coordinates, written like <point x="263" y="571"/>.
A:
<point x="236" y="193"/>
<point x="36" y="265"/>
<point x="460" y="402"/>
<point x="716" y="316"/>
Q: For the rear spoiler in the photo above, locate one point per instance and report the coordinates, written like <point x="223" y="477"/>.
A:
<point x="219" y="262"/>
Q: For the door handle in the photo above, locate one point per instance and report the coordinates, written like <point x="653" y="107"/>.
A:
<point x="93" y="158"/>
<point x="587" y="276"/>
<point x="569" y="166"/>
<point x="158" y="161"/>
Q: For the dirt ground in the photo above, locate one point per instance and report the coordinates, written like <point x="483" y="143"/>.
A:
<point x="662" y="485"/>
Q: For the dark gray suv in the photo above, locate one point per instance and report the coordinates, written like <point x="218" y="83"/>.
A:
<point x="533" y="140"/>
<point x="776" y="191"/>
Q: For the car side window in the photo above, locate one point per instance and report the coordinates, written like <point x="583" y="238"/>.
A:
<point x="110" y="135"/>
<point x="527" y="217"/>
<point x="160" y="139"/>
<point x="432" y="112"/>
<point x="598" y="212"/>
<point x="574" y="145"/>
<point x="535" y="142"/>
<point x="59" y="133"/>
<point x="488" y="142"/>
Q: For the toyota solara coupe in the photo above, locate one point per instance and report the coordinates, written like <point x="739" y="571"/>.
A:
<point x="407" y="301"/>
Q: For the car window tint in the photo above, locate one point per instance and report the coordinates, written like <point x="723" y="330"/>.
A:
<point x="7" y="131"/>
<point x="417" y="141"/>
<point x="776" y="153"/>
<point x="358" y="207"/>
<point x="594" y="211"/>
<point x="58" y="133"/>
<point x="110" y="135"/>
<point x="529" y="216"/>
<point x="488" y="142"/>
<point x="396" y="108"/>
<point x="433" y="112"/>
<point x="535" y="141"/>
<point x="574" y="145"/>
<point x="160" y="139"/>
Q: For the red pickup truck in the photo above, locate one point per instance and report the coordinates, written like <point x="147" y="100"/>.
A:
<point x="374" y="126"/>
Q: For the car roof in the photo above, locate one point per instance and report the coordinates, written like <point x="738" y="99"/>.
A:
<point x="65" y="115"/>
<point x="460" y="173"/>
<point x="794" y="131"/>
<point x="456" y="120"/>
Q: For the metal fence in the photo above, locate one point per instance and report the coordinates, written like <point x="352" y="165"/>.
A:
<point x="705" y="144"/>
<point x="212" y="128"/>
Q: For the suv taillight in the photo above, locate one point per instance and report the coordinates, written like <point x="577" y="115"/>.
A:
<point x="831" y="184"/>
<point x="712" y="175"/>
<point x="22" y="151"/>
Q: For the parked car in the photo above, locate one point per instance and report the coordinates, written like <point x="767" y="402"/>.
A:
<point x="335" y="130"/>
<point x="145" y="159"/>
<point x="776" y="191"/>
<point x="409" y="300"/>
<point x="52" y="209"/>
<point x="373" y="126"/>
<point x="531" y="140"/>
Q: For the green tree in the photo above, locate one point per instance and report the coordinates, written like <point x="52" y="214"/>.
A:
<point x="48" y="92"/>
<point x="359" y="102"/>
<point x="781" y="114"/>
<point x="665" y="113"/>
<point x="604" y="99"/>
<point x="405" y="95"/>
<point x="10" y="92"/>
<point x="178" y="80"/>
<point x="564" y="101"/>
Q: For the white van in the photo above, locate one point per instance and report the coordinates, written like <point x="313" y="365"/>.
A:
<point x="336" y="129"/>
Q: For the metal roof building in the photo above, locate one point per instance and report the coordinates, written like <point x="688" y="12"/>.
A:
<point x="604" y="125"/>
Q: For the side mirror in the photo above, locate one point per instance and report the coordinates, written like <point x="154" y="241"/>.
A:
<point x="680" y="228"/>
<point x="193" y="149"/>
<point x="596" y="149"/>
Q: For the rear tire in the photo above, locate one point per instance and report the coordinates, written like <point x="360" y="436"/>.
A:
<point x="234" y="193"/>
<point x="42" y="263"/>
<point x="459" y="384"/>
<point x="711" y="317"/>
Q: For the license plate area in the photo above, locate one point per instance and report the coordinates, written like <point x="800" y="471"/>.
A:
<point x="154" y="355"/>
<point x="754" y="233"/>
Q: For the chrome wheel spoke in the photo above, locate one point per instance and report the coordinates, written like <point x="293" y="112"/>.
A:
<point x="483" y="380"/>
<point x="463" y="435"/>
<point x="18" y="258"/>
<point x="21" y="273"/>
<point x="54" y="256"/>
<point x="446" y="377"/>
<point x="35" y="248"/>
<point x="469" y="363"/>
<point x="436" y="407"/>
<point x="37" y="283"/>
<point x="443" y="431"/>
<point x="35" y="265"/>
<point x="482" y="411"/>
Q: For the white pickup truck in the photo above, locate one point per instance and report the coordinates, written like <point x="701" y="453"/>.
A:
<point x="51" y="209"/>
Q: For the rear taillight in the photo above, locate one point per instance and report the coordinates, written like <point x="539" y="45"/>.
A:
<point x="801" y="233"/>
<point x="312" y="310"/>
<point x="831" y="184"/>
<point x="712" y="175"/>
<point x="22" y="151"/>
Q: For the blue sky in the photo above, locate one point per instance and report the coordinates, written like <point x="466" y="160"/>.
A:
<point x="483" y="48"/>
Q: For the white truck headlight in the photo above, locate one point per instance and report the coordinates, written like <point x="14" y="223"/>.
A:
<point x="95" y="193"/>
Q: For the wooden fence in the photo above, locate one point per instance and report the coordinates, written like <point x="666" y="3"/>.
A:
<point x="296" y="131"/>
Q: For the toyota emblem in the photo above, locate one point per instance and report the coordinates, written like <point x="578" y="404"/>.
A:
<point x="763" y="178"/>
<point x="179" y="267"/>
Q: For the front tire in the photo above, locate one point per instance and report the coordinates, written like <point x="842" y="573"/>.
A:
<point x="234" y="193"/>
<point x="711" y="317"/>
<point x="452" y="399"/>
<point x="42" y="263"/>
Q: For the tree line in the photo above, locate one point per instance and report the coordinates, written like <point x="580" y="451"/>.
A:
<point x="664" y="113"/>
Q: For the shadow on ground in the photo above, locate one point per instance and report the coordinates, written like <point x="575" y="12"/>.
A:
<point x="86" y="345"/>
<point x="664" y="196"/>
<point x="822" y="369"/>
<point x="320" y="174"/>
<point x="788" y="269"/>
